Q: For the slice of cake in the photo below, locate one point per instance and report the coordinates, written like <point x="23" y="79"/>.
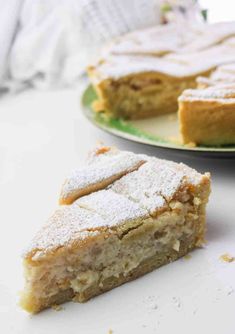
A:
<point x="207" y="116"/>
<point x="146" y="218"/>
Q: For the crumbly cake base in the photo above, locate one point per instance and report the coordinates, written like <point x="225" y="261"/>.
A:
<point x="145" y="267"/>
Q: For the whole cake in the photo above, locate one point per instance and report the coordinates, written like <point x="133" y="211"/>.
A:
<point x="144" y="73"/>
<point x="122" y="215"/>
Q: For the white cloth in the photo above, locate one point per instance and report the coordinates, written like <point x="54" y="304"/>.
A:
<point x="9" y="18"/>
<point x="56" y="39"/>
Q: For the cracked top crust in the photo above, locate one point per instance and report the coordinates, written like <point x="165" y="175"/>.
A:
<point x="122" y="204"/>
<point x="223" y="76"/>
<point x="155" y="183"/>
<point x="176" y="54"/>
<point x="164" y="39"/>
<point x="175" y="65"/>
<point x="100" y="211"/>
<point x="220" y="94"/>
<point x="103" y="167"/>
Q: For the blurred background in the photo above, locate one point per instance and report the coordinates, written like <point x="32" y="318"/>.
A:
<point x="48" y="43"/>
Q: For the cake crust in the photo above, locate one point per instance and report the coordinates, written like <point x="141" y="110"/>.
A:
<point x="207" y="116"/>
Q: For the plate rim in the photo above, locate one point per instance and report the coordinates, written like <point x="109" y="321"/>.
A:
<point x="90" y="115"/>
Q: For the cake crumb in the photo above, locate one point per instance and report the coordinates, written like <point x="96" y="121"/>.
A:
<point x="194" y="311"/>
<point x="175" y="140"/>
<point x="154" y="306"/>
<point x="176" y="246"/>
<point x="176" y="302"/>
<point x="57" y="307"/>
<point x="229" y="291"/>
<point x="151" y="303"/>
<point x="188" y="257"/>
<point x="98" y="106"/>
<point x="227" y="258"/>
<point x="102" y="150"/>
<point x="191" y="144"/>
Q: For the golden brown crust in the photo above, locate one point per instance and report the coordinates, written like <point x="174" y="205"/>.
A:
<point x="207" y="120"/>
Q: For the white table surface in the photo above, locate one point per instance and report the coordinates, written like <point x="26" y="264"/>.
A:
<point x="43" y="135"/>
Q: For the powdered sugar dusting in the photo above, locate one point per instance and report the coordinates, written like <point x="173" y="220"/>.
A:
<point x="102" y="209"/>
<point x="99" y="169"/>
<point x="157" y="40"/>
<point x="209" y="35"/>
<point x="134" y="196"/>
<point x="115" y="207"/>
<point x="150" y="185"/>
<point x="163" y="39"/>
<point x="155" y="183"/>
<point x="68" y="223"/>
<point x="211" y="93"/>
<point x="227" y="68"/>
<point x="224" y="73"/>
<point x="116" y="67"/>
<point x="223" y="77"/>
<point x="204" y="48"/>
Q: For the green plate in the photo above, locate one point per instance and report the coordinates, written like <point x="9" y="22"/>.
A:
<point x="161" y="131"/>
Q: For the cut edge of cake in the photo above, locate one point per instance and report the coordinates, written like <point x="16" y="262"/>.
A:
<point x="207" y="115"/>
